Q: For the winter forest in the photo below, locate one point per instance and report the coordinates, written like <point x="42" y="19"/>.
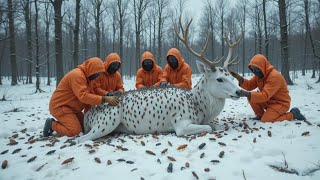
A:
<point x="212" y="130"/>
<point x="49" y="38"/>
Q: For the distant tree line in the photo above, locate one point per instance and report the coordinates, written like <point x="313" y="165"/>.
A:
<point x="48" y="38"/>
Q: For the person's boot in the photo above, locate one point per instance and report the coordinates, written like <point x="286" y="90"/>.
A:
<point x="297" y="114"/>
<point x="47" y="129"/>
<point x="257" y="118"/>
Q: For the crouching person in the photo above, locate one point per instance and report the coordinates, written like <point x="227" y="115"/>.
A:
<point x="272" y="102"/>
<point x="150" y="73"/>
<point x="72" y="95"/>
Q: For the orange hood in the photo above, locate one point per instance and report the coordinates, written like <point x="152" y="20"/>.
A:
<point x="112" y="57"/>
<point x="92" y="66"/>
<point x="147" y="55"/>
<point x="175" y="52"/>
<point x="262" y="63"/>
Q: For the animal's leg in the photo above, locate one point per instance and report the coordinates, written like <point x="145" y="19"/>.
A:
<point x="185" y="127"/>
<point x="122" y="129"/>
<point x="98" y="131"/>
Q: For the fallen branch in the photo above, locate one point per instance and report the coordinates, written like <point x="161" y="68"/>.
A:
<point x="244" y="176"/>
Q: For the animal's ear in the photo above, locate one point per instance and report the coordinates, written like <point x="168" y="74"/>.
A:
<point x="203" y="69"/>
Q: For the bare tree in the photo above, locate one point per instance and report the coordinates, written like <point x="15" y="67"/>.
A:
<point x="47" y="21"/>
<point x="37" y="49"/>
<point x="243" y="17"/>
<point x="162" y="16"/>
<point x="3" y="25"/>
<point x="76" y="35"/>
<point x="139" y="8"/>
<point x="309" y="35"/>
<point x="122" y="10"/>
<point x="58" y="38"/>
<point x="98" y="9"/>
<point x="221" y="10"/>
<point x="12" y="44"/>
<point x="115" y="24"/>
<point x="285" y="66"/>
<point x="266" y="40"/>
<point x="85" y="28"/>
<point x="27" y="17"/>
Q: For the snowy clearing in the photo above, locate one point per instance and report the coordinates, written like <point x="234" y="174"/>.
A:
<point x="238" y="149"/>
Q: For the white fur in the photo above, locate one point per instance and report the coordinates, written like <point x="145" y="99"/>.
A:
<point x="162" y="110"/>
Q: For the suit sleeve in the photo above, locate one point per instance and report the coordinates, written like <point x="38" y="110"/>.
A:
<point x="97" y="86"/>
<point x="139" y="80"/>
<point x="160" y="74"/>
<point x="80" y="88"/>
<point x="186" y="79"/>
<point x="165" y="76"/>
<point x="119" y="83"/>
<point x="271" y="86"/>
<point x="250" y="84"/>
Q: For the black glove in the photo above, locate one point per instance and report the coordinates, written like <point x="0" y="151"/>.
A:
<point x="163" y="84"/>
<point x="237" y="76"/>
<point x="115" y="93"/>
<point x="243" y="93"/>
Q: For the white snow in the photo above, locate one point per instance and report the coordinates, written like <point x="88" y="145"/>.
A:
<point x="242" y="156"/>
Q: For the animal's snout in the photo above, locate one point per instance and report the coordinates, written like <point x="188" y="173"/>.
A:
<point x="238" y="92"/>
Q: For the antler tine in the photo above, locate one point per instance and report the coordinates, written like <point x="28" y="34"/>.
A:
<point x="184" y="40"/>
<point x="235" y="60"/>
<point x="231" y="48"/>
<point x="217" y="61"/>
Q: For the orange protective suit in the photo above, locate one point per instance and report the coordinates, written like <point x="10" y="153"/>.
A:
<point x="148" y="78"/>
<point x="72" y="95"/>
<point x="181" y="76"/>
<point x="109" y="83"/>
<point x="272" y="101"/>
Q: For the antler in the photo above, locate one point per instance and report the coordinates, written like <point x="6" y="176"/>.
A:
<point x="184" y="39"/>
<point x="227" y="62"/>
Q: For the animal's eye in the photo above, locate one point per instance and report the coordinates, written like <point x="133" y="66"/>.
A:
<point x="219" y="80"/>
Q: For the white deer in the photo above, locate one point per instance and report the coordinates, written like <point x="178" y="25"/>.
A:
<point x="169" y="109"/>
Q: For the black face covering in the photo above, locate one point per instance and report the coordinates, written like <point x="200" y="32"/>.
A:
<point x="173" y="62"/>
<point x="94" y="76"/>
<point x="255" y="70"/>
<point x="147" y="65"/>
<point x="113" y="67"/>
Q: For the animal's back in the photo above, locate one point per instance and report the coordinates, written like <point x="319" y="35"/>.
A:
<point x="146" y="111"/>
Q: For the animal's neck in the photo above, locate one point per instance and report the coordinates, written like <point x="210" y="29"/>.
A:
<point x="211" y="105"/>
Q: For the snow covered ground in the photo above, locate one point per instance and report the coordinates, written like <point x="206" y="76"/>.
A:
<point x="238" y="149"/>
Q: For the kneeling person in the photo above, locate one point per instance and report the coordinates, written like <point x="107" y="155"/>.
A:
<point x="72" y="96"/>
<point x="272" y="101"/>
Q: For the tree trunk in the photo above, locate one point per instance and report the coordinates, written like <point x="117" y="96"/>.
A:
<point x="308" y="33"/>
<point x="12" y="45"/>
<point x="76" y="36"/>
<point x="97" y="24"/>
<point x="121" y="26"/>
<point x="222" y="35"/>
<point x="29" y="41"/>
<point x="244" y="41"/>
<point x="47" y="34"/>
<point x="305" y="55"/>
<point x="285" y="66"/>
<point x="266" y="40"/>
<point x="37" y="49"/>
<point x="1" y="58"/>
<point x="58" y="39"/>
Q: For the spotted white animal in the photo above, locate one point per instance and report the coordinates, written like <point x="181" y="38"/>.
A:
<point x="168" y="109"/>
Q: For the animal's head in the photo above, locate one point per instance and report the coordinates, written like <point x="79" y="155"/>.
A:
<point x="219" y="83"/>
<point x="218" y="80"/>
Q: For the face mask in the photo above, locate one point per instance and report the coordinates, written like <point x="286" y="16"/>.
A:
<point x="113" y="67"/>
<point x="147" y="65"/>
<point x="256" y="71"/>
<point x="173" y="62"/>
<point x="94" y="76"/>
